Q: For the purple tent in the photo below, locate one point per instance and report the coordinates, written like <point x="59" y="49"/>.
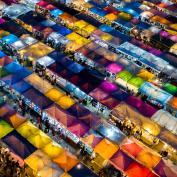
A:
<point x="84" y="115"/>
<point x="144" y="108"/>
<point x="166" y="169"/>
<point x="114" y="68"/>
<point x="37" y="98"/>
<point x="110" y="102"/>
<point x="18" y="144"/>
<point x="99" y="94"/>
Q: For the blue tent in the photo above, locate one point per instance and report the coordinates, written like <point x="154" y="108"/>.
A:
<point x="13" y="67"/>
<point x="47" y="23"/>
<point x="120" y="95"/>
<point x="98" y="11"/>
<point x="55" y="55"/>
<point x="105" y="28"/>
<point x="11" y="79"/>
<point x="110" y="132"/>
<point x="2" y="54"/>
<point x="61" y="29"/>
<point x="75" y="67"/>
<point x="155" y="93"/>
<point x="10" y="39"/>
<point x="56" y="12"/>
<point x="21" y="86"/>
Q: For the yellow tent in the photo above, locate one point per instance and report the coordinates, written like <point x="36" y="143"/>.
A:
<point x="80" y="24"/>
<point x="111" y="17"/>
<point x="38" y="83"/>
<point x="146" y="75"/>
<point x="106" y="149"/>
<point x="73" y="36"/>
<point x="82" y="41"/>
<point x="52" y="149"/>
<point x="106" y="37"/>
<point x="65" y="102"/>
<point x="90" y="28"/>
<point x="54" y="94"/>
<point x="73" y="46"/>
<point x="39" y="140"/>
<point x="27" y="129"/>
<point x="37" y="160"/>
<point x="5" y="128"/>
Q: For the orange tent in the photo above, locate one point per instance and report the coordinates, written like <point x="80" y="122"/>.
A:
<point x="106" y="149"/>
<point x="66" y="160"/>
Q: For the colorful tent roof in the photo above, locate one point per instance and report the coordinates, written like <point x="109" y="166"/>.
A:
<point x="53" y="150"/>
<point x="121" y="160"/>
<point x="65" y="102"/>
<point x="5" y="128"/>
<point x="39" y="140"/>
<point x="66" y="161"/>
<point x="54" y="94"/>
<point x="125" y="75"/>
<point x="106" y="149"/>
<point x="170" y="88"/>
<point x="18" y="144"/>
<point x="136" y="81"/>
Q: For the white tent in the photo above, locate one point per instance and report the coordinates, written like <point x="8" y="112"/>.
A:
<point x="166" y="120"/>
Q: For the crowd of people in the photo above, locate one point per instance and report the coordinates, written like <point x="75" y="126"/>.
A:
<point x="9" y="167"/>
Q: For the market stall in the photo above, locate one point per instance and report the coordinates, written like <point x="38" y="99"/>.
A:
<point x="5" y="128"/>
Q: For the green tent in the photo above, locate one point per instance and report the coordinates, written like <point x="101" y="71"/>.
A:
<point x="124" y="75"/>
<point x="3" y="72"/>
<point x="136" y="81"/>
<point x="5" y="128"/>
<point x="170" y="88"/>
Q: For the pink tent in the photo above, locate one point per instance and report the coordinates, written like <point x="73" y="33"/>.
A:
<point x="110" y="102"/>
<point x="166" y="169"/>
<point x="98" y="94"/>
<point x="79" y="129"/>
<point x="61" y="115"/>
<point x="114" y="68"/>
<point x="121" y="160"/>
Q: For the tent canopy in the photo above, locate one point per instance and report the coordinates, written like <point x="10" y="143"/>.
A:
<point x="155" y="93"/>
<point x="21" y="86"/>
<point x="5" y="128"/>
<point x="19" y="144"/>
<point x="106" y="149"/>
<point x="125" y="75"/>
<point x="170" y="88"/>
<point x="108" y="86"/>
<point x="166" y="120"/>
<point x="136" y="81"/>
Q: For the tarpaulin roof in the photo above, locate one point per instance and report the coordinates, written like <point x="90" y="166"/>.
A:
<point x="54" y="94"/>
<point x="155" y="93"/>
<point x="5" y="60"/>
<point x="52" y="149"/>
<point x="136" y="81"/>
<point x="18" y="144"/>
<point x="60" y="115"/>
<point x="80" y="112"/>
<point x="39" y="140"/>
<point x="114" y="68"/>
<point x="11" y="79"/>
<point x="173" y="102"/>
<point x="110" y="102"/>
<point x="38" y="83"/>
<point x="106" y="148"/>
<point x="15" y="120"/>
<point x="108" y="86"/>
<point x="13" y="67"/>
<point x="99" y="94"/>
<point x="165" y="119"/>
<point x="121" y="160"/>
<point x="5" y="128"/>
<point x="78" y="128"/>
<point x="165" y="168"/>
<point x="10" y="39"/>
<point x="45" y="61"/>
<point x="21" y="86"/>
<point x="38" y="160"/>
<point x="125" y="75"/>
<point x="136" y="169"/>
<point x="142" y="107"/>
<point x="66" y="160"/>
<point x="65" y="102"/>
<point x="92" y="139"/>
<point x="27" y="129"/>
<point x="124" y="111"/>
<point x="110" y="132"/>
<point x="146" y="75"/>
<point x="170" y="88"/>
<point x="37" y="98"/>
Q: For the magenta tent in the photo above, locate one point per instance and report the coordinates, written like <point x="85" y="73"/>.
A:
<point x="166" y="169"/>
<point x="121" y="160"/>
<point x="108" y="86"/>
<point x="144" y="108"/>
<point x="60" y="115"/>
<point x="79" y="129"/>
